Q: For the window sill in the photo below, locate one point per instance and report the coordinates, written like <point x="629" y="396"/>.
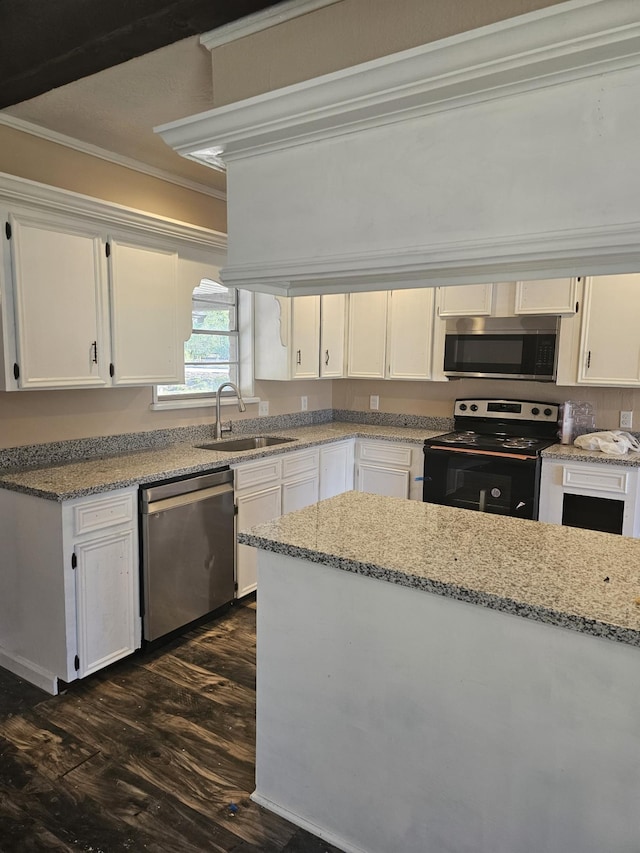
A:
<point x="209" y="403"/>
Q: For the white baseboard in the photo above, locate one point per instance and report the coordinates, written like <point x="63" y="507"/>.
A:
<point x="30" y="672"/>
<point x="303" y="823"/>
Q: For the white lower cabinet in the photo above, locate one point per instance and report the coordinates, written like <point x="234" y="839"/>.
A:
<point x="336" y="468"/>
<point x="269" y="488"/>
<point x="106" y="600"/>
<point x="590" y="495"/>
<point x="69" y="591"/>
<point x="388" y="468"/>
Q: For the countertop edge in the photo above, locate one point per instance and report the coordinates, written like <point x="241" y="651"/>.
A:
<point x="573" y="622"/>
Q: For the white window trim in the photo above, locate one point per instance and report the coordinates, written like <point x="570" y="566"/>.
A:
<point x="245" y="343"/>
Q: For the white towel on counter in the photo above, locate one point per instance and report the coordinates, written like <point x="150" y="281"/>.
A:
<point x="614" y="442"/>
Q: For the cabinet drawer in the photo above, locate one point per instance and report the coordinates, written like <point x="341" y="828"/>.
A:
<point x="102" y="512"/>
<point x="389" y="453"/>
<point x="258" y="474"/>
<point x="612" y="480"/>
<point x="300" y="463"/>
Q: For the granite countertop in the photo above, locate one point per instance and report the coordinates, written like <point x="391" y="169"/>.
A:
<point x="579" y="579"/>
<point x="102" y="474"/>
<point x="576" y="454"/>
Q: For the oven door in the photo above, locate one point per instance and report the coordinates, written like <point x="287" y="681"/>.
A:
<point x="504" y="484"/>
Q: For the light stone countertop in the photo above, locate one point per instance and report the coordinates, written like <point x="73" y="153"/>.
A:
<point x="102" y="474"/>
<point x="576" y="454"/>
<point x="578" y="579"/>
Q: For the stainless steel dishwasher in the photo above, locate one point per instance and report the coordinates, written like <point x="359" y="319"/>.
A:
<point x="188" y="545"/>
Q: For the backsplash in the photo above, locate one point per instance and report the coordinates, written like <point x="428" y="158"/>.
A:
<point x="56" y="453"/>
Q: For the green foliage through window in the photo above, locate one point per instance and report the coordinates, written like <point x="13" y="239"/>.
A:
<point x="211" y="354"/>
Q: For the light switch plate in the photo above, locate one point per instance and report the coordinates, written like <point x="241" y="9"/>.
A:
<point x="374" y="402"/>
<point x="263" y="408"/>
<point x="304" y="404"/>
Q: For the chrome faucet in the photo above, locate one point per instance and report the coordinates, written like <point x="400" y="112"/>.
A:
<point x="241" y="406"/>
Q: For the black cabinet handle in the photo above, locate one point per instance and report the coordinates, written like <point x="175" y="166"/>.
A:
<point x="94" y="347"/>
<point x="298" y="356"/>
<point x="326" y="357"/>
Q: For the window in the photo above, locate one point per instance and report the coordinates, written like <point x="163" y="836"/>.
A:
<point x="211" y="354"/>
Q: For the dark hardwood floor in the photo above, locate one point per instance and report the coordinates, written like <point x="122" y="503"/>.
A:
<point x="154" y="754"/>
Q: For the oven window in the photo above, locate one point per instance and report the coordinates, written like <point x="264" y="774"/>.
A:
<point x="591" y="513"/>
<point x="481" y="482"/>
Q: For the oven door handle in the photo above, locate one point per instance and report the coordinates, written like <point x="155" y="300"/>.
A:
<point x="481" y="452"/>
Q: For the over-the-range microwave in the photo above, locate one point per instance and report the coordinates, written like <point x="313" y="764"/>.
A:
<point x="502" y="347"/>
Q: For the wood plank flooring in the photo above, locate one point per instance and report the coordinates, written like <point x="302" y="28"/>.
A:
<point x="154" y="754"/>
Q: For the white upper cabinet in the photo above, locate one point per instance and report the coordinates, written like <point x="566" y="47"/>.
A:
<point x="305" y="337"/>
<point x="93" y="294"/>
<point x="333" y="314"/>
<point x="147" y="333"/>
<point x="390" y="334"/>
<point x="367" y="338"/>
<point x="59" y="277"/>
<point x="287" y="337"/>
<point x="610" y="336"/>
<point x="466" y="300"/>
<point x="410" y="333"/>
<point x="549" y="296"/>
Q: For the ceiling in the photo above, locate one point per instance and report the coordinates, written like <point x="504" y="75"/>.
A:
<point x="108" y="79"/>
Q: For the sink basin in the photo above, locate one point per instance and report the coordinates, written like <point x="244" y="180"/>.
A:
<point x="244" y="443"/>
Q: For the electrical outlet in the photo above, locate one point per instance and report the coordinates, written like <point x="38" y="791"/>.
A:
<point x="374" y="402"/>
<point x="304" y="404"/>
<point x="263" y="408"/>
<point x="626" y="420"/>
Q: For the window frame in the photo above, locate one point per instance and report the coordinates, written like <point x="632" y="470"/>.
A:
<point x="244" y="332"/>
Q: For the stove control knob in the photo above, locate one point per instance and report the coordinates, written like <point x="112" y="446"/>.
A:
<point x="474" y="408"/>
<point x="535" y="411"/>
<point x="547" y="412"/>
<point x="463" y="407"/>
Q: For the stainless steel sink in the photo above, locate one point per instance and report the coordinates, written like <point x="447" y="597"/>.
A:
<point x="244" y="443"/>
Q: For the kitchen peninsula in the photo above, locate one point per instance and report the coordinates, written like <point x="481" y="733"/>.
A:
<point x="436" y="679"/>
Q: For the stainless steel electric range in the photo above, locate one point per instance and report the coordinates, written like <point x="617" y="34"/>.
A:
<point x="491" y="462"/>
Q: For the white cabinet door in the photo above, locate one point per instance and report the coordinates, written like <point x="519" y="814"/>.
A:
<point x="333" y="313"/>
<point x="549" y="296"/>
<point x="287" y="337"/>
<point x="610" y="339"/>
<point x="60" y="291"/>
<point x="410" y="333"/>
<point x="305" y="337"/>
<point x="105" y="600"/>
<point x="146" y="326"/>
<point x="381" y="480"/>
<point x="300" y="493"/>
<point x="336" y="469"/>
<point x="466" y="300"/>
<point x="253" y="508"/>
<point x="367" y="336"/>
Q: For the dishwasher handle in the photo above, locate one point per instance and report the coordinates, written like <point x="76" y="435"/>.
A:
<point x="185" y="499"/>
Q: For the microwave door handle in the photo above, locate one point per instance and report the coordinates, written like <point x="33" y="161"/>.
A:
<point x="482" y="503"/>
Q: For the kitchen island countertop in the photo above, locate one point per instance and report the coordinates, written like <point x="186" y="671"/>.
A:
<point x="101" y="474"/>
<point x="578" y="579"/>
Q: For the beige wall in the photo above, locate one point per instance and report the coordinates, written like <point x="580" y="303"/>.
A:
<point x="34" y="417"/>
<point x="346" y="34"/>
<point x="37" y="159"/>
<point x="436" y="398"/>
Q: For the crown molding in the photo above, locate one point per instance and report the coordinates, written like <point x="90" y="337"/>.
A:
<point x="555" y="254"/>
<point x="21" y="191"/>
<point x="259" y="21"/>
<point x="118" y="159"/>
<point x="569" y="41"/>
